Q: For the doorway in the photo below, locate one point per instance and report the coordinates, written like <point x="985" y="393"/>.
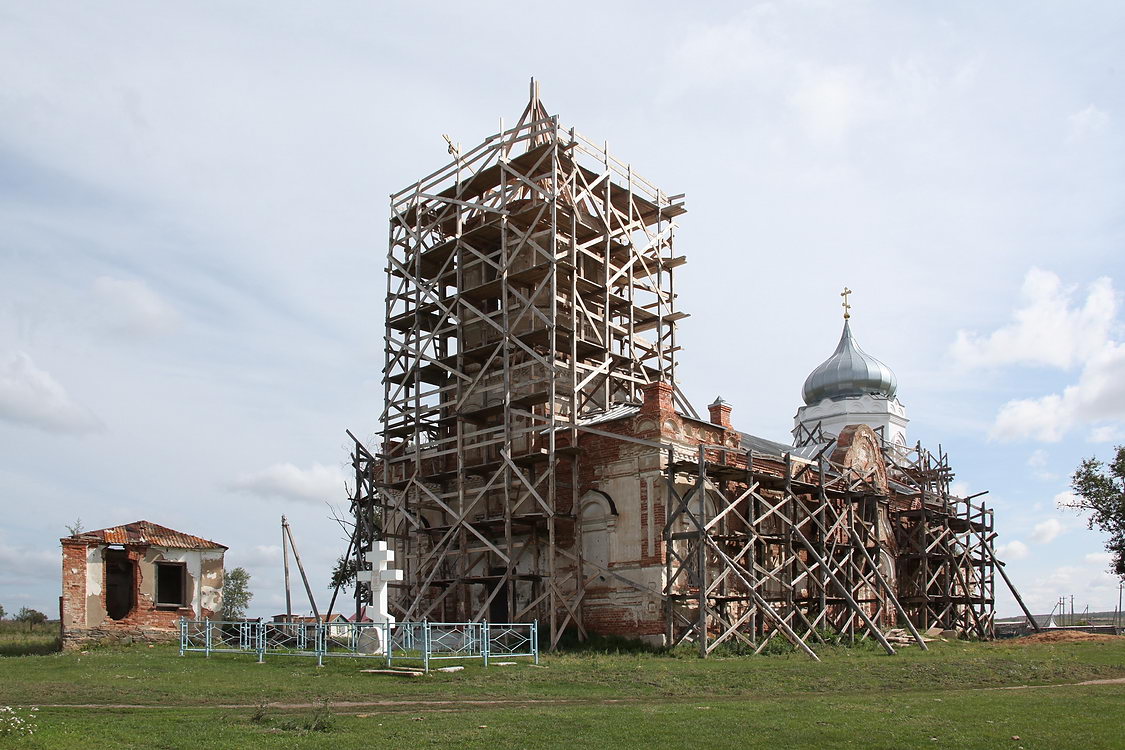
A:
<point x="120" y="583"/>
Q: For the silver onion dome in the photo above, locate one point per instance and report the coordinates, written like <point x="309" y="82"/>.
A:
<point x="850" y="371"/>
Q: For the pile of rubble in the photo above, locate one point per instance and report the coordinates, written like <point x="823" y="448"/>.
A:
<point x="902" y="636"/>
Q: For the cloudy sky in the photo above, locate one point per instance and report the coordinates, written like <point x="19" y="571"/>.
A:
<point x="193" y="205"/>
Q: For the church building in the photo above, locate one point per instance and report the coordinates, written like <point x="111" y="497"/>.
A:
<point x="537" y="458"/>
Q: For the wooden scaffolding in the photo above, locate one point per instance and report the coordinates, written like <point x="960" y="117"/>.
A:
<point x="759" y="547"/>
<point x="946" y="561"/>
<point x="762" y="546"/>
<point x="530" y="282"/>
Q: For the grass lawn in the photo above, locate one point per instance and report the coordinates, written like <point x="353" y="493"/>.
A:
<point x="153" y="698"/>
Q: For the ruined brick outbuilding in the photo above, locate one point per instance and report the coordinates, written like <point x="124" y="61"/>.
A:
<point x="134" y="582"/>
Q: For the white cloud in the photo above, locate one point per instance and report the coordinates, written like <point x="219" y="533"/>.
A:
<point x="1067" y="499"/>
<point x="1048" y="330"/>
<point x="1038" y="463"/>
<point x="30" y="396"/>
<point x="1013" y="550"/>
<point x="1098" y="396"/>
<point x="19" y="564"/>
<point x="1107" y="433"/>
<point x="757" y="54"/>
<point x="830" y="102"/>
<point x="132" y="308"/>
<point x="1045" y="419"/>
<point x="1085" y="124"/>
<point x="258" y="555"/>
<point x="316" y="484"/>
<point x="747" y="47"/>
<point x="1099" y="558"/>
<point x="1047" y="531"/>
<point x="1051" y="329"/>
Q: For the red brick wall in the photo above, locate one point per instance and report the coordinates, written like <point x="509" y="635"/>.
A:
<point x="611" y="607"/>
<point x="74" y="586"/>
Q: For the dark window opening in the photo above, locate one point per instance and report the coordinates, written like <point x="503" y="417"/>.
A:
<point x="120" y="592"/>
<point x="170" y="588"/>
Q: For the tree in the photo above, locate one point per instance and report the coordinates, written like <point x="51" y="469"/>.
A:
<point x="1101" y="490"/>
<point x="31" y="616"/>
<point x="75" y="528"/>
<point x="2" y="613"/>
<point x="236" y="594"/>
<point x="343" y="575"/>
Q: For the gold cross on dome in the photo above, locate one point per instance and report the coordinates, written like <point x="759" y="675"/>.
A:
<point x="845" y="304"/>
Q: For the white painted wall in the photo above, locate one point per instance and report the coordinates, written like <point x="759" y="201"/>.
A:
<point x="95" y="577"/>
<point x="204" y="568"/>
<point x="873" y="411"/>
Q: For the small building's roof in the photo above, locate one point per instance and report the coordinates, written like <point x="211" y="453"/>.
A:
<point x="362" y="616"/>
<point x="775" y="449"/>
<point x="617" y="411"/>
<point x="145" y="532"/>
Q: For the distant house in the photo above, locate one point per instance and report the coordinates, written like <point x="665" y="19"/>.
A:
<point x="337" y="623"/>
<point x="362" y="616"/>
<point x="134" y="583"/>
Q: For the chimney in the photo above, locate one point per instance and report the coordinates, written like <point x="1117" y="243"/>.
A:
<point x="720" y="413"/>
<point x="657" y="398"/>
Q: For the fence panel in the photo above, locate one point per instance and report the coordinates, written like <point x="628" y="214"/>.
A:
<point x="511" y="640"/>
<point x="404" y="641"/>
<point x="455" y="640"/>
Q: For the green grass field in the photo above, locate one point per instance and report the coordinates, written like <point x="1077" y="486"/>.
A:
<point x="20" y="638"/>
<point x="954" y="696"/>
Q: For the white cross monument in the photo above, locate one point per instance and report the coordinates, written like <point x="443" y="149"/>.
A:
<point x="377" y="578"/>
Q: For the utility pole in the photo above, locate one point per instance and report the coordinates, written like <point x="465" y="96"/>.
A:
<point x="1072" y="610"/>
<point x="1117" y="620"/>
<point x="285" y="556"/>
<point x="300" y="568"/>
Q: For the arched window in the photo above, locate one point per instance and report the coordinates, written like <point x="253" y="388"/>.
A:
<point x="596" y="518"/>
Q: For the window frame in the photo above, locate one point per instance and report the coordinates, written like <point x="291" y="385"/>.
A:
<point x="183" y="585"/>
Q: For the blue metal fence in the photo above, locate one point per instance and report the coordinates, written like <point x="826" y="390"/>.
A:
<point x="423" y="642"/>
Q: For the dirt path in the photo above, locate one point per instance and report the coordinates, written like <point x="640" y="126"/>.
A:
<point x="1110" y="681"/>
<point x="435" y="704"/>
<point x="448" y="704"/>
